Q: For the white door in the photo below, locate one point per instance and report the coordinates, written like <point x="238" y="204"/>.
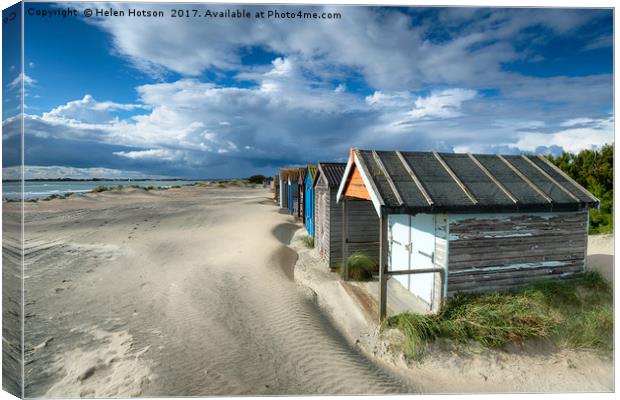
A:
<point x="400" y="239"/>
<point x="422" y="255"/>
<point x="412" y="246"/>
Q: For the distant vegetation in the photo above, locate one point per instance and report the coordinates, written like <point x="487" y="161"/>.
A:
<point x="576" y="313"/>
<point x="120" y="187"/>
<point x="594" y="170"/>
<point x="257" y="179"/>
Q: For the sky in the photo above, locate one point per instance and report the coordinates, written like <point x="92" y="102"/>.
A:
<point x="223" y="98"/>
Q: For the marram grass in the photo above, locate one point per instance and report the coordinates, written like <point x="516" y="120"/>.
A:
<point x="575" y="313"/>
<point x="360" y="267"/>
<point x="308" y="241"/>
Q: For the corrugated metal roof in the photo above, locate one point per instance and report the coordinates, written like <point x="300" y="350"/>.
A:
<point x="425" y="182"/>
<point x="333" y="172"/>
<point x="290" y="173"/>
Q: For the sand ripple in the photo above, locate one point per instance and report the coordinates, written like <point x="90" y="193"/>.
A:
<point x="178" y="295"/>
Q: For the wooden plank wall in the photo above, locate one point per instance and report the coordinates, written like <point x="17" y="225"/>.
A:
<point x="322" y="219"/>
<point x="363" y="227"/>
<point x="440" y="260"/>
<point x="489" y="253"/>
<point x="283" y="194"/>
<point x="300" y="202"/>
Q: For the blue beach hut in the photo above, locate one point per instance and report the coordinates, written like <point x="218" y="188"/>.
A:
<point x="309" y="199"/>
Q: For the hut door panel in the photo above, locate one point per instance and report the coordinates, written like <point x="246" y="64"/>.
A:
<point x="400" y="245"/>
<point x="309" y="211"/>
<point x="422" y="255"/>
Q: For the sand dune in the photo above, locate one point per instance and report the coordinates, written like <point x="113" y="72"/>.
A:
<point x="180" y="292"/>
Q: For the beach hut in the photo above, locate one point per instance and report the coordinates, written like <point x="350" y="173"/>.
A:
<point x="293" y="191"/>
<point x="309" y="199"/>
<point x="468" y="223"/>
<point x="284" y="186"/>
<point x="328" y="219"/>
<point x="301" y="194"/>
<point x="275" y="185"/>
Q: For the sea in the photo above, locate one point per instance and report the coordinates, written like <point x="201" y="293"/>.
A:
<point x="43" y="189"/>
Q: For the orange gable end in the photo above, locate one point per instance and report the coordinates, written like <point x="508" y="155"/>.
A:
<point x="355" y="186"/>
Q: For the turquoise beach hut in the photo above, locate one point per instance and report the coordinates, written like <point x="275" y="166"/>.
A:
<point x="309" y="199"/>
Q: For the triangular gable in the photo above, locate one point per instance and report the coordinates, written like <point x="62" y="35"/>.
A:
<point x="319" y="175"/>
<point x="310" y="174"/>
<point x="357" y="183"/>
<point x="354" y="186"/>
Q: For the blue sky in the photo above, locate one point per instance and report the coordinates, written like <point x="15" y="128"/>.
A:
<point x="232" y="98"/>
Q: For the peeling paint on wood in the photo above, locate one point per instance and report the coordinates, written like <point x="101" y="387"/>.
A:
<point x="491" y="252"/>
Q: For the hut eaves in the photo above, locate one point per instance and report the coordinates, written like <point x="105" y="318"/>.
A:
<point x="333" y="173"/>
<point x="414" y="182"/>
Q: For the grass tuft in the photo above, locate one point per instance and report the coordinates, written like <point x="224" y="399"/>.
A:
<point x="575" y="313"/>
<point x="360" y="267"/>
<point x="308" y="241"/>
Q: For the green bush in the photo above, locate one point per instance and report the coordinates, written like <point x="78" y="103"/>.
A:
<point x="256" y="179"/>
<point x="594" y="170"/>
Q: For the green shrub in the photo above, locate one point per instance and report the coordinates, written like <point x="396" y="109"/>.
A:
<point x="594" y="170"/>
<point x="256" y="179"/>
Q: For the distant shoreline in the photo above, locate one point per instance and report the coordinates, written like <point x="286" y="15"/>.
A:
<point x="108" y="180"/>
<point x="63" y="193"/>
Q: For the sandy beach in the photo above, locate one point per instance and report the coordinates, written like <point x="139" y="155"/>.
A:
<point x="532" y="367"/>
<point x="210" y="291"/>
<point x="177" y="292"/>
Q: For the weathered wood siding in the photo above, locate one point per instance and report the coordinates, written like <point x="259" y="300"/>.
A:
<point x="293" y="192"/>
<point x="501" y="251"/>
<point x="440" y="260"/>
<point x="283" y="193"/>
<point x="328" y="234"/>
<point x="301" y="212"/>
<point x="363" y="224"/>
<point x="322" y="219"/>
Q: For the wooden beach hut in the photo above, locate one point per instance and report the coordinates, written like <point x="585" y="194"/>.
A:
<point x="309" y="199"/>
<point x="301" y="194"/>
<point x="285" y="187"/>
<point x="275" y="185"/>
<point x="468" y="223"/>
<point x="364" y="235"/>
<point x="293" y="191"/>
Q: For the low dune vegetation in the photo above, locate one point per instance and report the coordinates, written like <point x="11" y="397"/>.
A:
<point x="308" y="241"/>
<point x="226" y="183"/>
<point x="575" y="313"/>
<point x="99" y="189"/>
<point x="360" y="267"/>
